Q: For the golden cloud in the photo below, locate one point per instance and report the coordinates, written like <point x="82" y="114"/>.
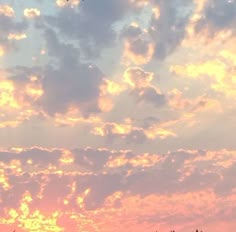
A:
<point x="221" y="77"/>
<point x="138" y="78"/>
<point x="14" y="36"/>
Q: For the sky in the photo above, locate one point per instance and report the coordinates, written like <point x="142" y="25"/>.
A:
<point x="117" y="115"/>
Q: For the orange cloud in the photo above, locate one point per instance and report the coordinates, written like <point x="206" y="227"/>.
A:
<point x="125" y="129"/>
<point x="199" y="104"/>
<point x="108" y="89"/>
<point x="31" y="13"/>
<point x="126" y="189"/>
<point x="6" y="10"/>
<point x="61" y="3"/>
<point x="137" y="78"/>
<point x="143" y="160"/>
<point x="2" y="51"/>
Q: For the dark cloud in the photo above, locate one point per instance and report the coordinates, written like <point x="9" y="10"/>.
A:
<point x="71" y="86"/>
<point x="168" y="30"/>
<point x="131" y="32"/>
<point x="139" y="47"/>
<point x="66" y="82"/>
<point x="217" y="15"/>
<point x="150" y="95"/>
<point x="137" y="44"/>
<point x="92" y="24"/>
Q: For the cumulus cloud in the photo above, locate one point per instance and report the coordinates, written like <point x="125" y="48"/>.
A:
<point x="141" y="87"/>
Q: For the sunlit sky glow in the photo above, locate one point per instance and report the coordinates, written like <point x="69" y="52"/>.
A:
<point x="117" y="115"/>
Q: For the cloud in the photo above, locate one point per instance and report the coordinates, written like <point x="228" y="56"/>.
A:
<point x="132" y="133"/>
<point x="68" y="83"/>
<point x="218" y="15"/>
<point x="13" y="36"/>
<point x="35" y="184"/>
<point x="14" y="106"/>
<point x="168" y="24"/>
<point x="137" y="49"/>
<point x="199" y="104"/>
<point x="220" y="75"/>
<point x="31" y="13"/>
<point x="92" y="24"/>
<point x="141" y="87"/>
<point x="9" y="26"/>
<point x="7" y="11"/>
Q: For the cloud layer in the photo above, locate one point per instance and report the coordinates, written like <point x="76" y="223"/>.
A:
<point x="83" y="186"/>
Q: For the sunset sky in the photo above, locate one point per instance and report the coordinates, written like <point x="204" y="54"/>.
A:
<point x="117" y="115"/>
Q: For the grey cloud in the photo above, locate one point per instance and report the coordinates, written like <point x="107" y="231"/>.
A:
<point x="139" y="42"/>
<point x="135" y="136"/>
<point x="38" y="156"/>
<point x="161" y="177"/>
<point x="91" y="159"/>
<point x="131" y="32"/>
<point x="227" y="183"/>
<point x="150" y="95"/>
<point x="168" y="30"/>
<point x="102" y="187"/>
<point x="92" y="24"/>
<point x="65" y="80"/>
<point x="139" y="47"/>
<point x="66" y="87"/>
<point x="9" y="25"/>
<point x="217" y="15"/>
<point x="72" y="83"/>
